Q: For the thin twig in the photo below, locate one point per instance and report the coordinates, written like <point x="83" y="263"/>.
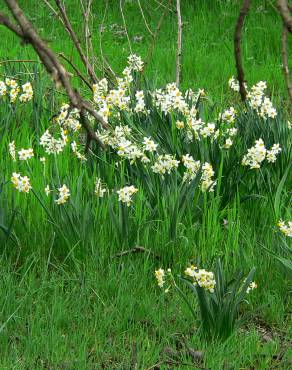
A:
<point x="79" y="74"/>
<point x="87" y="33"/>
<point x="179" y="44"/>
<point x="56" y="14"/>
<point x="144" y="19"/>
<point x="151" y="49"/>
<point x="285" y="61"/>
<point x="125" y="25"/>
<point x="76" y="41"/>
<point x="237" y="48"/>
<point x="103" y="58"/>
<point x="19" y="61"/>
<point x="136" y="249"/>
<point x="164" y="6"/>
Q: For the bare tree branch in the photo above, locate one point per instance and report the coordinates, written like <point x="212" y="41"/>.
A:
<point x="86" y="10"/>
<point x="285" y="61"/>
<point x="56" y="14"/>
<point x="76" y="41"/>
<point x="5" y="21"/>
<point x="179" y="44"/>
<point x="19" y="61"/>
<point x="79" y="74"/>
<point x="285" y="12"/>
<point x="56" y="69"/>
<point x="237" y="49"/>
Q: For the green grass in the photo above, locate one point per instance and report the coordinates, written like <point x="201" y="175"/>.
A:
<point x="208" y="59"/>
<point x="67" y="300"/>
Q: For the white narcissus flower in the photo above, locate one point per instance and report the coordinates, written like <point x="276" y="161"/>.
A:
<point x="25" y="154"/>
<point x="180" y="124"/>
<point x="251" y="286"/>
<point x="99" y="190"/>
<point x="12" y="151"/>
<point x="125" y="194"/>
<point x="228" y="143"/>
<point x="3" y="88"/>
<point x="64" y="195"/>
<point x="149" y="144"/>
<point x="202" y="278"/>
<point x="285" y="228"/>
<point x="160" y="274"/>
<point x="21" y="183"/>
<point x="47" y="190"/>
<point x="164" y="164"/>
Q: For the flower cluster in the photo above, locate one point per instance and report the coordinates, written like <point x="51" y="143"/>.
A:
<point x="256" y="98"/>
<point x="202" y="278"/>
<point x="228" y="115"/>
<point x="170" y="99"/>
<point x="196" y="128"/>
<point x="258" y="153"/>
<point x="164" y="164"/>
<point x="11" y="88"/>
<point x="125" y="194"/>
<point x="192" y="167"/>
<point x="271" y="155"/>
<point x="52" y="145"/>
<point x="20" y="183"/>
<point x="123" y="143"/>
<point x="64" y="195"/>
<point x="69" y="118"/>
<point x="149" y="145"/>
<point x="111" y="102"/>
<point x="285" y="228"/>
<point x="233" y="84"/>
<point x="207" y="181"/>
<point x="27" y="93"/>
<point x="258" y="101"/>
<point x="160" y="277"/>
<point x="135" y="63"/>
<point x="140" y="106"/>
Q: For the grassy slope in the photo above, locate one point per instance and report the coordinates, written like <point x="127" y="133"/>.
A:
<point x="75" y="306"/>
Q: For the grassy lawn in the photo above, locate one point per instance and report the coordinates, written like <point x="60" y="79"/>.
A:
<point x="74" y="291"/>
